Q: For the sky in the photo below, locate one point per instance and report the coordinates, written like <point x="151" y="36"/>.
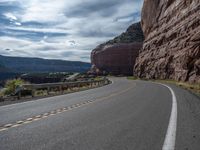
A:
<point x="62" y="29"/>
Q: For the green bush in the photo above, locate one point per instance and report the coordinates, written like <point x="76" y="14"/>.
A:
<point x="11" y="85"/>
<point x="1" y="93"/>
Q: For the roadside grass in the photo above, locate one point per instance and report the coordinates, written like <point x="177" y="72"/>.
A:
<point x="51" y="92"/>
<point x="98" y="78"/>
<point x="1" y="95"/>
<point x="195" y="87"/>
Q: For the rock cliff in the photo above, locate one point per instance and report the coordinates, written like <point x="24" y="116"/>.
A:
<point x="171" y="48"/>
<point x="118" y="56"/>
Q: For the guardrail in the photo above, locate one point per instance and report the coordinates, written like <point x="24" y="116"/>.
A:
<point x="60" y="87"/>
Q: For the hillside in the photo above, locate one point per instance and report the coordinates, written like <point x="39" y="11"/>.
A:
<point x="34" y="65"/>
<point x="3" y="68"/>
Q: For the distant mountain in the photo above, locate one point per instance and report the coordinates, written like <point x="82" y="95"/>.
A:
<point x="3" y="68"/>
<point x="6" y="73"/>
<point x="36" y="65"/>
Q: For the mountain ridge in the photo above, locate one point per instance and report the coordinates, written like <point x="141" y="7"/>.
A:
<point x="28" y="64"/>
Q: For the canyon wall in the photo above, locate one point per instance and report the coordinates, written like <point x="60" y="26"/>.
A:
<point x="171" y="48"/>
<point x="118" y="56"/>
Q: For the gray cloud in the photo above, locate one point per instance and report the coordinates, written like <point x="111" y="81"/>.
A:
<point x="103" y="8"/>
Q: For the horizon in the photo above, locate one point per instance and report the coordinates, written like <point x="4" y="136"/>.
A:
<point x="44" y="58"/>
<point x="64" y="30"/>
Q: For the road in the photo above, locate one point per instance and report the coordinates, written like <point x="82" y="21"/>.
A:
<point x="125" y="115"/>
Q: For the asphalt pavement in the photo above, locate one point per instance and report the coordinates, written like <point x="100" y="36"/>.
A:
<point x="125" y="115"/>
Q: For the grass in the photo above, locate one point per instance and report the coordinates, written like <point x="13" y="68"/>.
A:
<point x="1" y="94"/>
<point x="97" y="78"/>
<point x="195" y="87"/>
<point x="54" y="91"/>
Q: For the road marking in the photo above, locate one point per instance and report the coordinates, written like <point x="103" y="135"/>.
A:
<point x="53" y="112"/>
<point x="170" y="138"/>
<point x="36" y="119"/>
<point x="38" y="116"/>
<point x="58" y="111"/>
<point x="16" y="125"/>
<point x="3" y="129"/>
<point x="45" y="114"/>
<point x="20" y="122"/>
<point x="26" y="122"/>
<point x="45" y="98"/>
<point x="29" y="119"/>
<point x="8" y="125"/>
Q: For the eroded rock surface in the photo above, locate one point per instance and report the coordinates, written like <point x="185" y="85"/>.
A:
<point x="118" y="56"/>
<point x="171" y="48"/>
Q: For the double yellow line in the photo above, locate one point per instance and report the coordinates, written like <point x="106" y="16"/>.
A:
<point x="58" y="111"/>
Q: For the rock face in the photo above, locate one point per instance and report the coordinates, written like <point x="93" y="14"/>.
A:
<point x="171" y="48"/>
<point x="118" y="56"/>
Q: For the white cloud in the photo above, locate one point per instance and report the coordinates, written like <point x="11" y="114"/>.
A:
<point x="44" y="30"/>
<point x="44" y="11"/>
<point x="18" y="23"/>
<point x="10" y="16"/>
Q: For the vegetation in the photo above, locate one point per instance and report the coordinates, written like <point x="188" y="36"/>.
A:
<point x="97" y="78"/>
<point x="41" y="93"/>
<point x="11" y="89"/>
<point x="1" y="93"/>
<point x="195" y="87"/>
<point x="11" y="85"/>
<point x="133" y="34"/>
<point x="48" y="75"/>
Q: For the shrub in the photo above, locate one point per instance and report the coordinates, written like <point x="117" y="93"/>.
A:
<point x="1" y="93"/>
<point x="11" y="85"/>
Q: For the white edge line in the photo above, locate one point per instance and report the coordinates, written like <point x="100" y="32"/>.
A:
<point x="170" y="138"/>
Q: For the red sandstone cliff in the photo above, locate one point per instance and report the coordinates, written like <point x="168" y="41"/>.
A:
<point x="171" y="48"/>
<point x="118" y="56"/>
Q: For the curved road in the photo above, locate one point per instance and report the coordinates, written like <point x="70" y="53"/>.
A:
<point x="125" y="115"/>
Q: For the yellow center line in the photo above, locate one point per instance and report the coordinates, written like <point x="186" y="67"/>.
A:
<point x="58" y="111"/>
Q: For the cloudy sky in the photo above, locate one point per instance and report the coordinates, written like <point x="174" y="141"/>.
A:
<point x="62" y="29"/>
